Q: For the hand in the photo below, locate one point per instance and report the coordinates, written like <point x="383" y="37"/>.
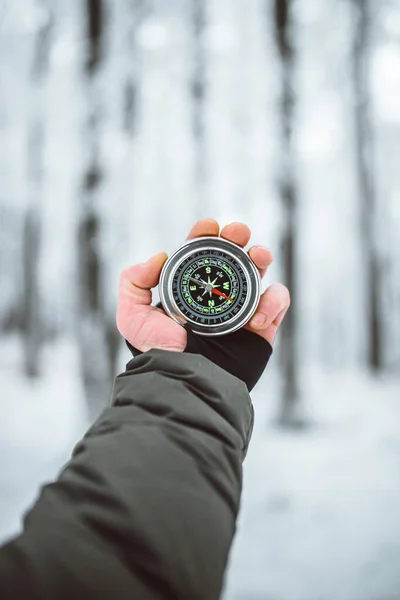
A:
<point x="146" y="326"/>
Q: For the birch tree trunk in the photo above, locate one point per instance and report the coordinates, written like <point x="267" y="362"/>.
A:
<point x="32" y="318"/>
<point x="365" y="177"/>
<point x="288" y="193"/>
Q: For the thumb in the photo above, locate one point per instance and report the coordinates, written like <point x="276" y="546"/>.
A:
<point x="137" y="281"/>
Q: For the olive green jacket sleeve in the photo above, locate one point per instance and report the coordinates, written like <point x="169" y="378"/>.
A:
<point x="146" y="507"/>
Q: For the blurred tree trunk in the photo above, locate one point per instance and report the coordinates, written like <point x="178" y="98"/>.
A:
<point x="11" y="312"/>
<point x="31" y="319"/>
<point x="133" y="13"/>
<point x="32" y="322"/>
<point x="197" y="86"/>
<point x="91" y="325"/>
<point x="365" y="176"/>
<point x="289" y="415"/>
<point x="105" y="218"/>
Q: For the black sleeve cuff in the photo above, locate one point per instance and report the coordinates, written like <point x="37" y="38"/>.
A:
<point x="243" y="353"/>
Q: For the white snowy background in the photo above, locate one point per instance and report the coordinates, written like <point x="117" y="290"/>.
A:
<point x="177" y="118"/>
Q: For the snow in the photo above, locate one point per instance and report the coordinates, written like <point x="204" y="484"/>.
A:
<point x="320" y="516"/>
<point x="40" y="423"/>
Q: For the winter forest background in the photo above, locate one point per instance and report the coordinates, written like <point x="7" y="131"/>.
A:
<point x="122" y="122"/>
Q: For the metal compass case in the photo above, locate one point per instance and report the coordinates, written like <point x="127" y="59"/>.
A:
<point x="211" y="284"/>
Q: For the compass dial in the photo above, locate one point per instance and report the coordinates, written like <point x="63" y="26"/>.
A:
<point x="211" y="284"/>
<point x="209" y="288"/>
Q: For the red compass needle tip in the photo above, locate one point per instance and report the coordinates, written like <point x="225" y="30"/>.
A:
<point x="214" y="291"/>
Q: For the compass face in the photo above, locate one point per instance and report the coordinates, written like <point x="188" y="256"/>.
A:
<point x="211" y="284"/>
<point x="209" y="287"/>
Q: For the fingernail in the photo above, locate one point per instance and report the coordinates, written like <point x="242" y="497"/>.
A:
<point x="258" y="320"/>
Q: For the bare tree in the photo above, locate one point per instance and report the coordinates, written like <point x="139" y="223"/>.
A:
<point x="364" y="147"/>
<point x="95" y="30"/>
<point x="31" y="315"/>
<point x="134" y="11"/>
<point x="288" y="193"/>
<point x="99" y="338"/>
<point x="137" y="12"/>
<point x="198" y="88"/>
<point x="93" y="359"/>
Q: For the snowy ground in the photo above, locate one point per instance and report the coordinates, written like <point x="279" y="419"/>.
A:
<point x="40" y="423"/>
<point x="320" y="515"/>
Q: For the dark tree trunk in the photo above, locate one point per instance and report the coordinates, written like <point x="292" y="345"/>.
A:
<point x="91" y="319"/>
<point x="90" y="265"/>
<point x="137" y="11"/>
<point x="99" y="338"/>
<point x="198" y="90"/>
<point x="32" y="319"/>
<point x="129" y="108"/>
<point x="365" y="176"/>
<point x="289" y="415"/>
<point x="94" y="32"/>
<point x="11" y="299"/>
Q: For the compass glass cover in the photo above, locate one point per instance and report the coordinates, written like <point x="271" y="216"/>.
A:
<point x="209" y="287"/>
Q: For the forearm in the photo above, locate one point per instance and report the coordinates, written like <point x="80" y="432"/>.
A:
<point x="147" y="506"/>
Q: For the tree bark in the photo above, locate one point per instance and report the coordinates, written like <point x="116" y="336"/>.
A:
<point x="99" y="339"/>
<point x="91" y="324"/>
<point x="289" y="413"/>
<point x="364" y="147"/>
<point x="136" y="11"/>
<point x="32" y="319"/>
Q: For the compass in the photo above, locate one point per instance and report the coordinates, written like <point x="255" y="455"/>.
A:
<point x="210" y="284"/>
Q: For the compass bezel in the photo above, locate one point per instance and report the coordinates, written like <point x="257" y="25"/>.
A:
<point x="252" y="276"/>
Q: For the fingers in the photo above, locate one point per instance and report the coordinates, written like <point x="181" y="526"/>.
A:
<point x="271" y="311"/>
<point x="204" y="227"/>
<point x="137" y="281"/>
<point x="238" y="233"/>
<point x="261" y="257"/>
